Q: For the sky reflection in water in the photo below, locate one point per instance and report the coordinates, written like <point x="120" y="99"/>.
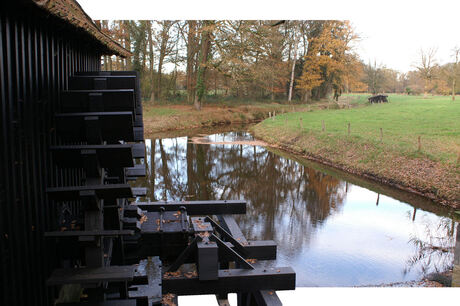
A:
<point x="331" y="232"/>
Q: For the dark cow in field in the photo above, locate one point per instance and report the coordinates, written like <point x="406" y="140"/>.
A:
<point x="378" y="99"/>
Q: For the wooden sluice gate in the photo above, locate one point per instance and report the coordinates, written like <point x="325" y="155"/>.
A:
<point x="192" y="247"/>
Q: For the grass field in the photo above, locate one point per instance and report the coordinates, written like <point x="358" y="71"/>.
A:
<point x="165" y="117"/>
<point x="391" y="153"/>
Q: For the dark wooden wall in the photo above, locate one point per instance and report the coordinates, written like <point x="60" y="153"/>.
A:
<point x="37" y="55"/>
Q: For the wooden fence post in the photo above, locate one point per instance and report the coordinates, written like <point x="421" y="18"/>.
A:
<point x="323" y="125"/>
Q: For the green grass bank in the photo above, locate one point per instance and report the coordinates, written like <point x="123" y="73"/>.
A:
<point x="169" y="117"/>
<point x="411" y="143"/>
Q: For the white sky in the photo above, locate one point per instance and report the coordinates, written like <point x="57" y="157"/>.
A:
<point x="392" y="31"/>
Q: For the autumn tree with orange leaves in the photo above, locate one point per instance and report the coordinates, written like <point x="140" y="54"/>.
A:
<point x="329" y="61"/>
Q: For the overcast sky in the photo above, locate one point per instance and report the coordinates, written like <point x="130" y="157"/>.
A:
<point x="392" y="31"/>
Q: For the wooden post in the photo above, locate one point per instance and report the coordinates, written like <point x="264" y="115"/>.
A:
<point x="274" y="114"/>
<point x="378" y="198"/>
<point x="419" y="144"/>
<point x="348" y="128"/>
<point x="269" y="114"/>
<point x="381" y="135"/>
<point x="323" y="125"/>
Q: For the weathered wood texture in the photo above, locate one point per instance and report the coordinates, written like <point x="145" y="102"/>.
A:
<point x="38" y="53"/>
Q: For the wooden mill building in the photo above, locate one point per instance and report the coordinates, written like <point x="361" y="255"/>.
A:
<point x="42" y="43"/>
<point x="71" y="140"/>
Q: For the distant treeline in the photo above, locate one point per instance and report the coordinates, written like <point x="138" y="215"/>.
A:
<point x="192" y="61"/>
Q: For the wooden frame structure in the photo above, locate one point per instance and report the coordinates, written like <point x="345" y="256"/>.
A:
<point x="70" y="138"/>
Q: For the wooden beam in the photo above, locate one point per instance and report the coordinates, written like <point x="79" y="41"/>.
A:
<point x="232" y="280"/>
<point x="197" y="207"/>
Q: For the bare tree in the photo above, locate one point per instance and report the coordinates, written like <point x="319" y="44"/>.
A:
<point x="206" y="37"/>
<point x="373" y="77"/>
<point x="296" y="43"/>
<point x="127" y="43"/>
<point x="152" y="59"/>
<point x="454" y="70"/>
<point x="426" y="67"/>
<point x="166" y="47"/>
<point x="192" y="50"/>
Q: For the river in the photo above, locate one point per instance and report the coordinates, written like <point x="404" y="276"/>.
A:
<point x="333" y="229"/>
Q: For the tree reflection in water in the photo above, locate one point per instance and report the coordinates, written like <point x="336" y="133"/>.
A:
<point x="278" y="190"/>
<point x="434" y="248"/>
<point x="292" y="203"/>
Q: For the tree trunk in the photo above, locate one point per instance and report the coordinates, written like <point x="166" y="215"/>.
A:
<point x="453" y="89"/>
<point x="305" y="96"/>
<point x="127" y="43"/>
<point x="160" y="68"/>
<point x="201" y="78"/>
<point x="291" y="84"/>
<point x="191" y="52"/>
<point x="425" y="94"/>
<point x="152" y="60"/>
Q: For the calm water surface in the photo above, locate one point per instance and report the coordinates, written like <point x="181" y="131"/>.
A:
<point x="332" y="232"/>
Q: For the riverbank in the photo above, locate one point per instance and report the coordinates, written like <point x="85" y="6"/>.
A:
<point x="437" y="279"/>
<point x="410" y="143"/>
<point x="161" y="118"/>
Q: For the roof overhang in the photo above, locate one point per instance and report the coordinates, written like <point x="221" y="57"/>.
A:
<point x="71" y="12"/>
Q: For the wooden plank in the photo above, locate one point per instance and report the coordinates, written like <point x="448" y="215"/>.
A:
<point x="106" y="233"/>
<point x="231" y="280"/>
<point x="104" y="303"/>
<point x="131" y="223"/>
<point x="207" y="261"/>
<point x="138" y="150"/>
<point x="172" y="223"/>
<point x="111" y="155"/>
<point x="113" y="126"/>
<point x="110" y="82"/>
<point x="197" y="207"/>
<point x="109" y="191"/>
<point x="260" y="250"/>
<point x="136" y="171"/>
<point x="118" y="73"/>
<point x="112" y="100"/>
<point x="138" y="133"/>
<point x="139" y="191"/>
<point x="91" y="275"/>
<point x="138" y="121"/>
<point x="105" y="73"/>
<point x="267" y="298"/>
<point x="230" y="225"/>
<point x="132" y="211"/>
